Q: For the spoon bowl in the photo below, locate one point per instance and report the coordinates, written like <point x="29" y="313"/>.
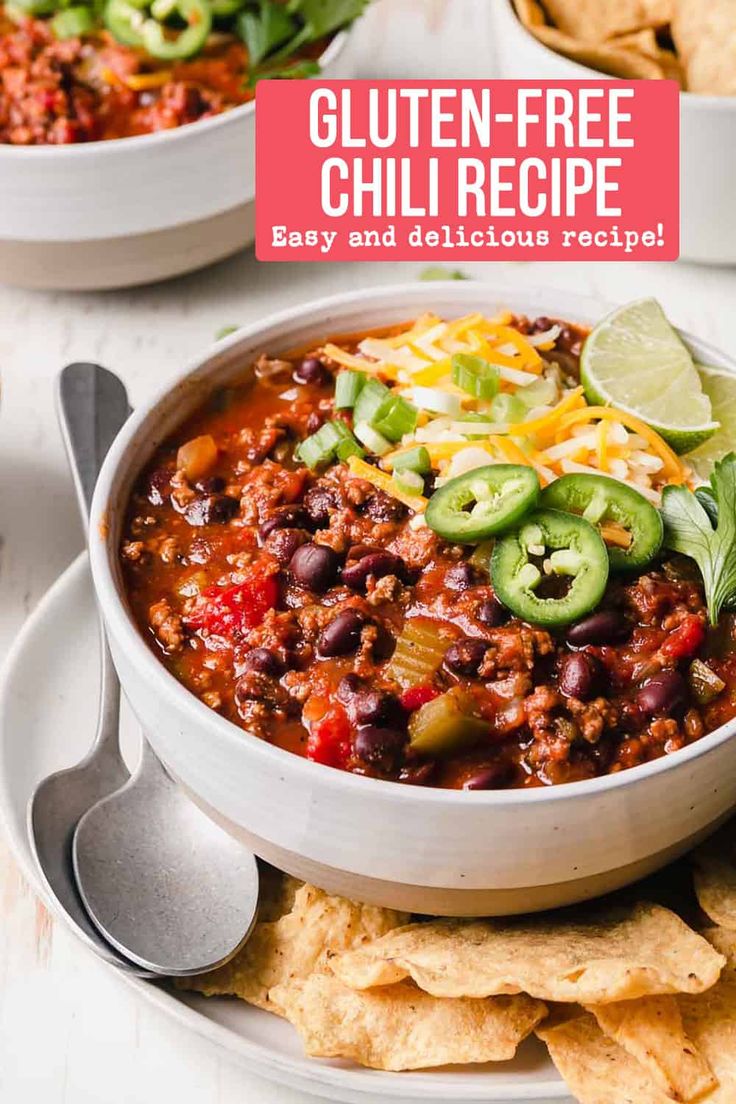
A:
<point x="160" y="880"/>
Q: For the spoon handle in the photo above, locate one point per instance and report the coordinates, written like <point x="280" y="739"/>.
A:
<point x="92" y="405"/>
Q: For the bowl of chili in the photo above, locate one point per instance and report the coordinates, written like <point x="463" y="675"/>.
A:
<point x="404" y="713"/>
<point x="106" y="149"/>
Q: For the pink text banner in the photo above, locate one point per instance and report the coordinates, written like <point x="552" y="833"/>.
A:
<point x="475" y="170"/>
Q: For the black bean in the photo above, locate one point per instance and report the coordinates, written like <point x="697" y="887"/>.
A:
<point x="356" y="573"/>
<point x="211" y="484"/>
<point x="418" y="774"/>
<point x="314" y="422"/>
<point x="579" y="674"/>
<point x="348" y="687"/>
<point x="319" y="503"/>
<point x="212" y="510"/>
<point x="264" y="661"/>
<point x="374" y="707"/>
<point x="314" y="566"/>
<point x="384" y="644"/>
<point x="285" y="517"/>
<point x="283" y="543"/>
<point x="464" y="657"/>
<point x="461" y="577"/>
<point x="492" y="613"/>
<point x="382" y="507"/>
<point x="662" y="693"/>
<point x="158" y="487"/>
<point x="603" y="627"/>
<point x="490" y="778"/>
<point x="342" y="635"/>
<point x="311" y="370"/>
<point x="380" y="747"/>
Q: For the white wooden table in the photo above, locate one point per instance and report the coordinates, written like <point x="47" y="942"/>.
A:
<point x="70" y="1033"/>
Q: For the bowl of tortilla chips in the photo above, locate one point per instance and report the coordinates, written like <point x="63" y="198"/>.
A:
<point x="690" y="41"/>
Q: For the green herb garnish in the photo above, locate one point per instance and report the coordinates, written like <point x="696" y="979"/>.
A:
<point x="689" y="529"/>
<point x="439" y="272"/>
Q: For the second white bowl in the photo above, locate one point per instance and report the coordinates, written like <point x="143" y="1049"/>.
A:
<point x="707" y="140"/>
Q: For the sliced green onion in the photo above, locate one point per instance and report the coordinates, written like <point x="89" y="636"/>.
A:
<point x="464" y="425"/>
<point x="372" y="394"/>
<point x="475" y="375"/>
<point x="415" y="459"/>
<point x="348" y="386"/>
<point x="436" y="401"/>
<point x="508" y="409"/>
<point x="409" y="481"/>
<point x="373" y="441"/>
<point x="395" y="417"/>
<point x="543" y="392"/>
<point x="72" y="23"/>
<point x="349" y="447"/>
<point x="326" y="443"/>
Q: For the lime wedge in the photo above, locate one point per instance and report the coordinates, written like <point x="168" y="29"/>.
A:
<point x="720" y="387"/>
<point x="635" y="361"/>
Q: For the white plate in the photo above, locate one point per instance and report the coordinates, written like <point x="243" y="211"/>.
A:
<point x="48" y="702"/>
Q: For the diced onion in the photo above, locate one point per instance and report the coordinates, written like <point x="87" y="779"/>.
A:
<point x="436" y="401"/>
<point x="545" y="337"/>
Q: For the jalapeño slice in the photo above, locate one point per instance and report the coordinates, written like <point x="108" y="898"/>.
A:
<point x="551" y="569"/>
<point x="608" y="503"/>
<point x="482" y="502"/>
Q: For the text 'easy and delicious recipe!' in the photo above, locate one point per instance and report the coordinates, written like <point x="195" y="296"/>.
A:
<point x="474" y="553"/>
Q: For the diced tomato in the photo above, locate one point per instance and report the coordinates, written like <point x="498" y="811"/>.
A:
<point x="685" y="639"/>
<point x="227" y="611"/>
<point x="329" y="738"/>
<point x="417" y="696"/>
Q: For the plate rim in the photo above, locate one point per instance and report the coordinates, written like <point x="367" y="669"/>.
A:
<point x="310" y="1075"/>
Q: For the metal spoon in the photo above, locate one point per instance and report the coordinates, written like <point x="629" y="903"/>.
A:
<point x="162" y="882"/>
<point x="92" y="405"/>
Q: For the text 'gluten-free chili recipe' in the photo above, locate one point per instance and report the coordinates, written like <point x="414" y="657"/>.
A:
<point x="450" y="553"/>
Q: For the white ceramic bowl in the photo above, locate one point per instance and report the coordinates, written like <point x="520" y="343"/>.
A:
<point x="133" y="210"/>
<point x="429" y="850"/>
<point x="707" y="140"/>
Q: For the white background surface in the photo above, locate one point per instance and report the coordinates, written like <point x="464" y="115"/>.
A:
<point x="70" y="1033"/>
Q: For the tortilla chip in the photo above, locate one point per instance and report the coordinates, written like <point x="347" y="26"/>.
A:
<point x="594" y="21"/>
<point x="596" y="1069"/>
<point x="276" y="892"/>
<point x="288" y="950"/>
<point x="704" y="34"/>
<point x="715" y="876"/>
<point x="618" y="955"/>
<point x="530" y="13"/>
<point x="710" y="1020"/>
<point x="608" y="57"/>
<point x="651" y="1030"/>
<point x="599" y="1071"/>
<point x="400" y="1027"/>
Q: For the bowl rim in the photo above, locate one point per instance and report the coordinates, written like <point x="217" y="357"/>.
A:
<point x="333" y="50"/>
<point x="697" y="100"/>
<point x="152" y="672"/>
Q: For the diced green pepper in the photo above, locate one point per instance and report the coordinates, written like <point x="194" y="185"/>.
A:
<point x="705" y="685"/>
<point x="446" y="724"/>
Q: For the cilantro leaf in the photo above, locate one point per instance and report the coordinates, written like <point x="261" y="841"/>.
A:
<point x="322" y="17"/>
<point x="689" y="530"/>
<point x="439" y="272"/>
<point x="265" y="29"/>
<point x="290" y="70"/>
